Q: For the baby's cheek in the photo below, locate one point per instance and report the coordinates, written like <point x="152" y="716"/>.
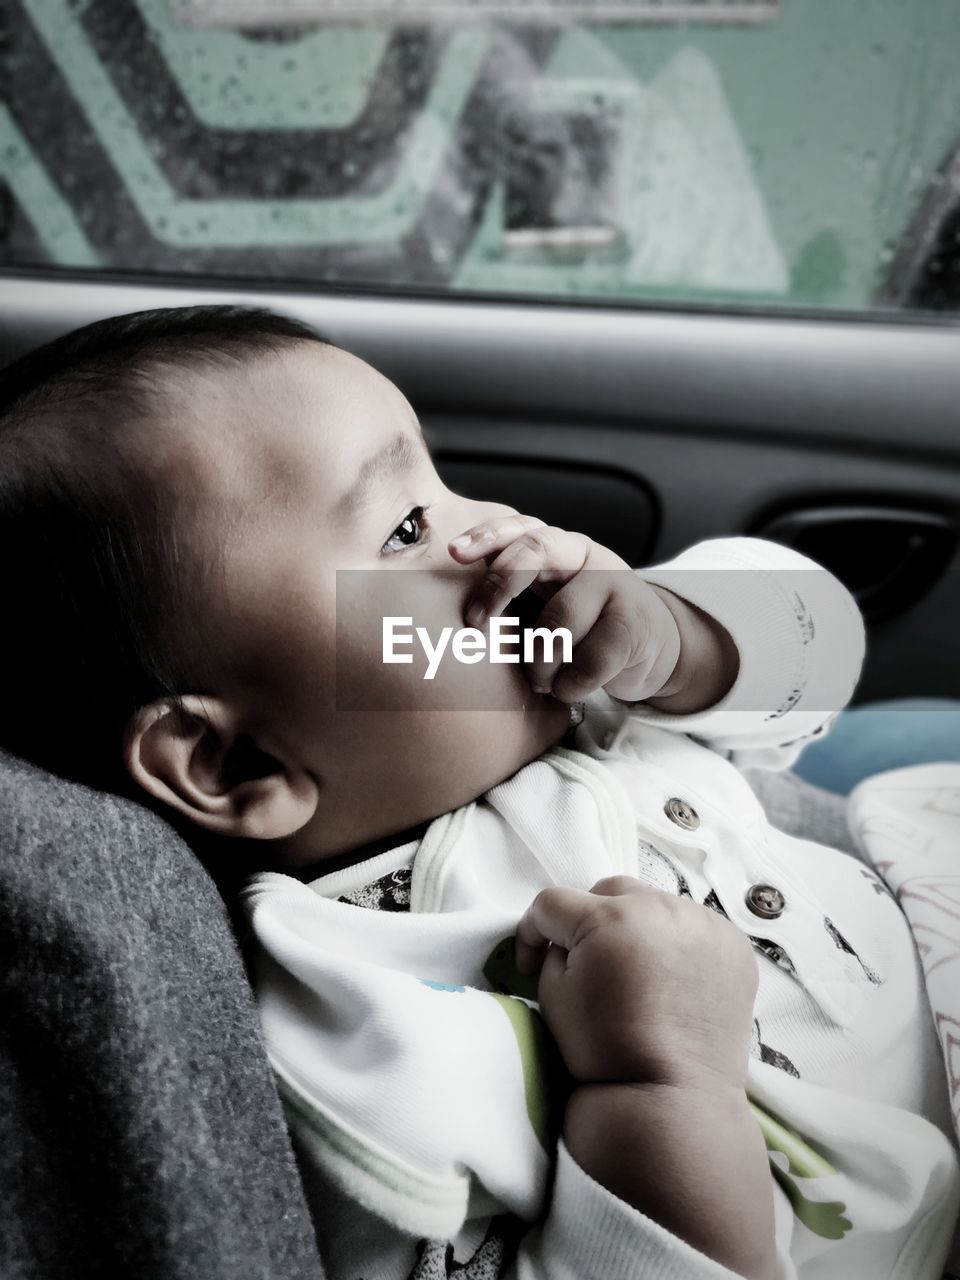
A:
<point x="408" y="669"/>
<point x="392" y="767"/>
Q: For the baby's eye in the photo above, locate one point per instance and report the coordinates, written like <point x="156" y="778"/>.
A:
<point x="408" y="532"/>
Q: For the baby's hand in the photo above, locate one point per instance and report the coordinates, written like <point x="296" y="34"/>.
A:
<point x="650" y="999"/>
<point x="625" y="637"/>
<point x="639" y="986"/>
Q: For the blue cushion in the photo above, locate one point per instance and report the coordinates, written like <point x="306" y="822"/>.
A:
<point x="880" y="736"/>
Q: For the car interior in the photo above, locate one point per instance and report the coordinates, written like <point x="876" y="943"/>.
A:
<point x="658" y="272"/>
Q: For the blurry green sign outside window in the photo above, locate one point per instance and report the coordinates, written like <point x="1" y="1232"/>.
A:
<point x="795" y="154"/>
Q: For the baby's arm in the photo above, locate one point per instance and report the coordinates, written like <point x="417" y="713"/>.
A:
<point x="800" y="640"/>
<point x="707" y="665"/>
<point x="743" y="643"/>
<point x="650" y="999"/>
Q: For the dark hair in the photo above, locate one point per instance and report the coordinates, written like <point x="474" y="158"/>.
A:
<point x="102" y="561"/>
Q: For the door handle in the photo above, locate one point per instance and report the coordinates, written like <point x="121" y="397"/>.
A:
<point x="888" y="557"/>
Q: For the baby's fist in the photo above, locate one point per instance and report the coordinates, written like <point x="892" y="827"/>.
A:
<point x="640" y="986"/>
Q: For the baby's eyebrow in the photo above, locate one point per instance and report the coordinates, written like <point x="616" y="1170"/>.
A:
<point x="400" y="454"/>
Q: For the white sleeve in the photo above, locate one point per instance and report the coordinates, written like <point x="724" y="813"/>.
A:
<point x="799" y="635"/>
<point x="590" y="1234"/>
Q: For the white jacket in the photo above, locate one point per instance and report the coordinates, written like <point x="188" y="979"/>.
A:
<point x="416" y="1074"/>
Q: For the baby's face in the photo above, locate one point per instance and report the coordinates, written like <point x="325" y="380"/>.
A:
<point x="329" y="472"/>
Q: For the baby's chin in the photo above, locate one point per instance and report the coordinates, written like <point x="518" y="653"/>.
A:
<point x="547" y="721"/>
<point x="560" y="718"/>
<point x="496" y="744"/>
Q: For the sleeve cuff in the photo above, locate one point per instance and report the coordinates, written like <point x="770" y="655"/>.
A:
<point x="592" y="1235"/>
<point x="798" y="632"/>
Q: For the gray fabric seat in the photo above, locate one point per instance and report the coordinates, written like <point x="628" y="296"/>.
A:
<point x="140" y="1132"/>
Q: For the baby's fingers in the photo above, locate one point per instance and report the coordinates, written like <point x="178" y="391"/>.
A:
<point x="553" y="918"/>
<point x="490" y="537"/>
<point x="605" y="636"/>
<point x="541" y="554"/>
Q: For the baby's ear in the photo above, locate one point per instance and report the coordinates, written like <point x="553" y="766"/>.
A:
<point x="193" y="757"/>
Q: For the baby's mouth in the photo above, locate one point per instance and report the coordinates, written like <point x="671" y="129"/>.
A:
<point x="527" y="606"/>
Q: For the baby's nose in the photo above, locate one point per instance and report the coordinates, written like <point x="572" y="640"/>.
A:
<point x="468" y="513"/>
<point x="496" y="509"/>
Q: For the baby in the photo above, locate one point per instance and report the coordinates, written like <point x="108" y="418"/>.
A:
<point x="214" y="512"/>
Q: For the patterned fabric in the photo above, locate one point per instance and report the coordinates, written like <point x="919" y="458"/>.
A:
<point x="908" y="824"/>
<point x="495" y="1255"/>
<point x="844" y="945"/>
<point x="389" y="893"/>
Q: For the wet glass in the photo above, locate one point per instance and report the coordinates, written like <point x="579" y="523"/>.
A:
<point x="800" y="154"/>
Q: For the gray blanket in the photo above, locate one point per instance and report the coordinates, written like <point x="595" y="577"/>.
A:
<point x="140" y="1132"/>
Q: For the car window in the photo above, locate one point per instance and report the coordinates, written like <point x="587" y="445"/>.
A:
<point x="800" y="154"/>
